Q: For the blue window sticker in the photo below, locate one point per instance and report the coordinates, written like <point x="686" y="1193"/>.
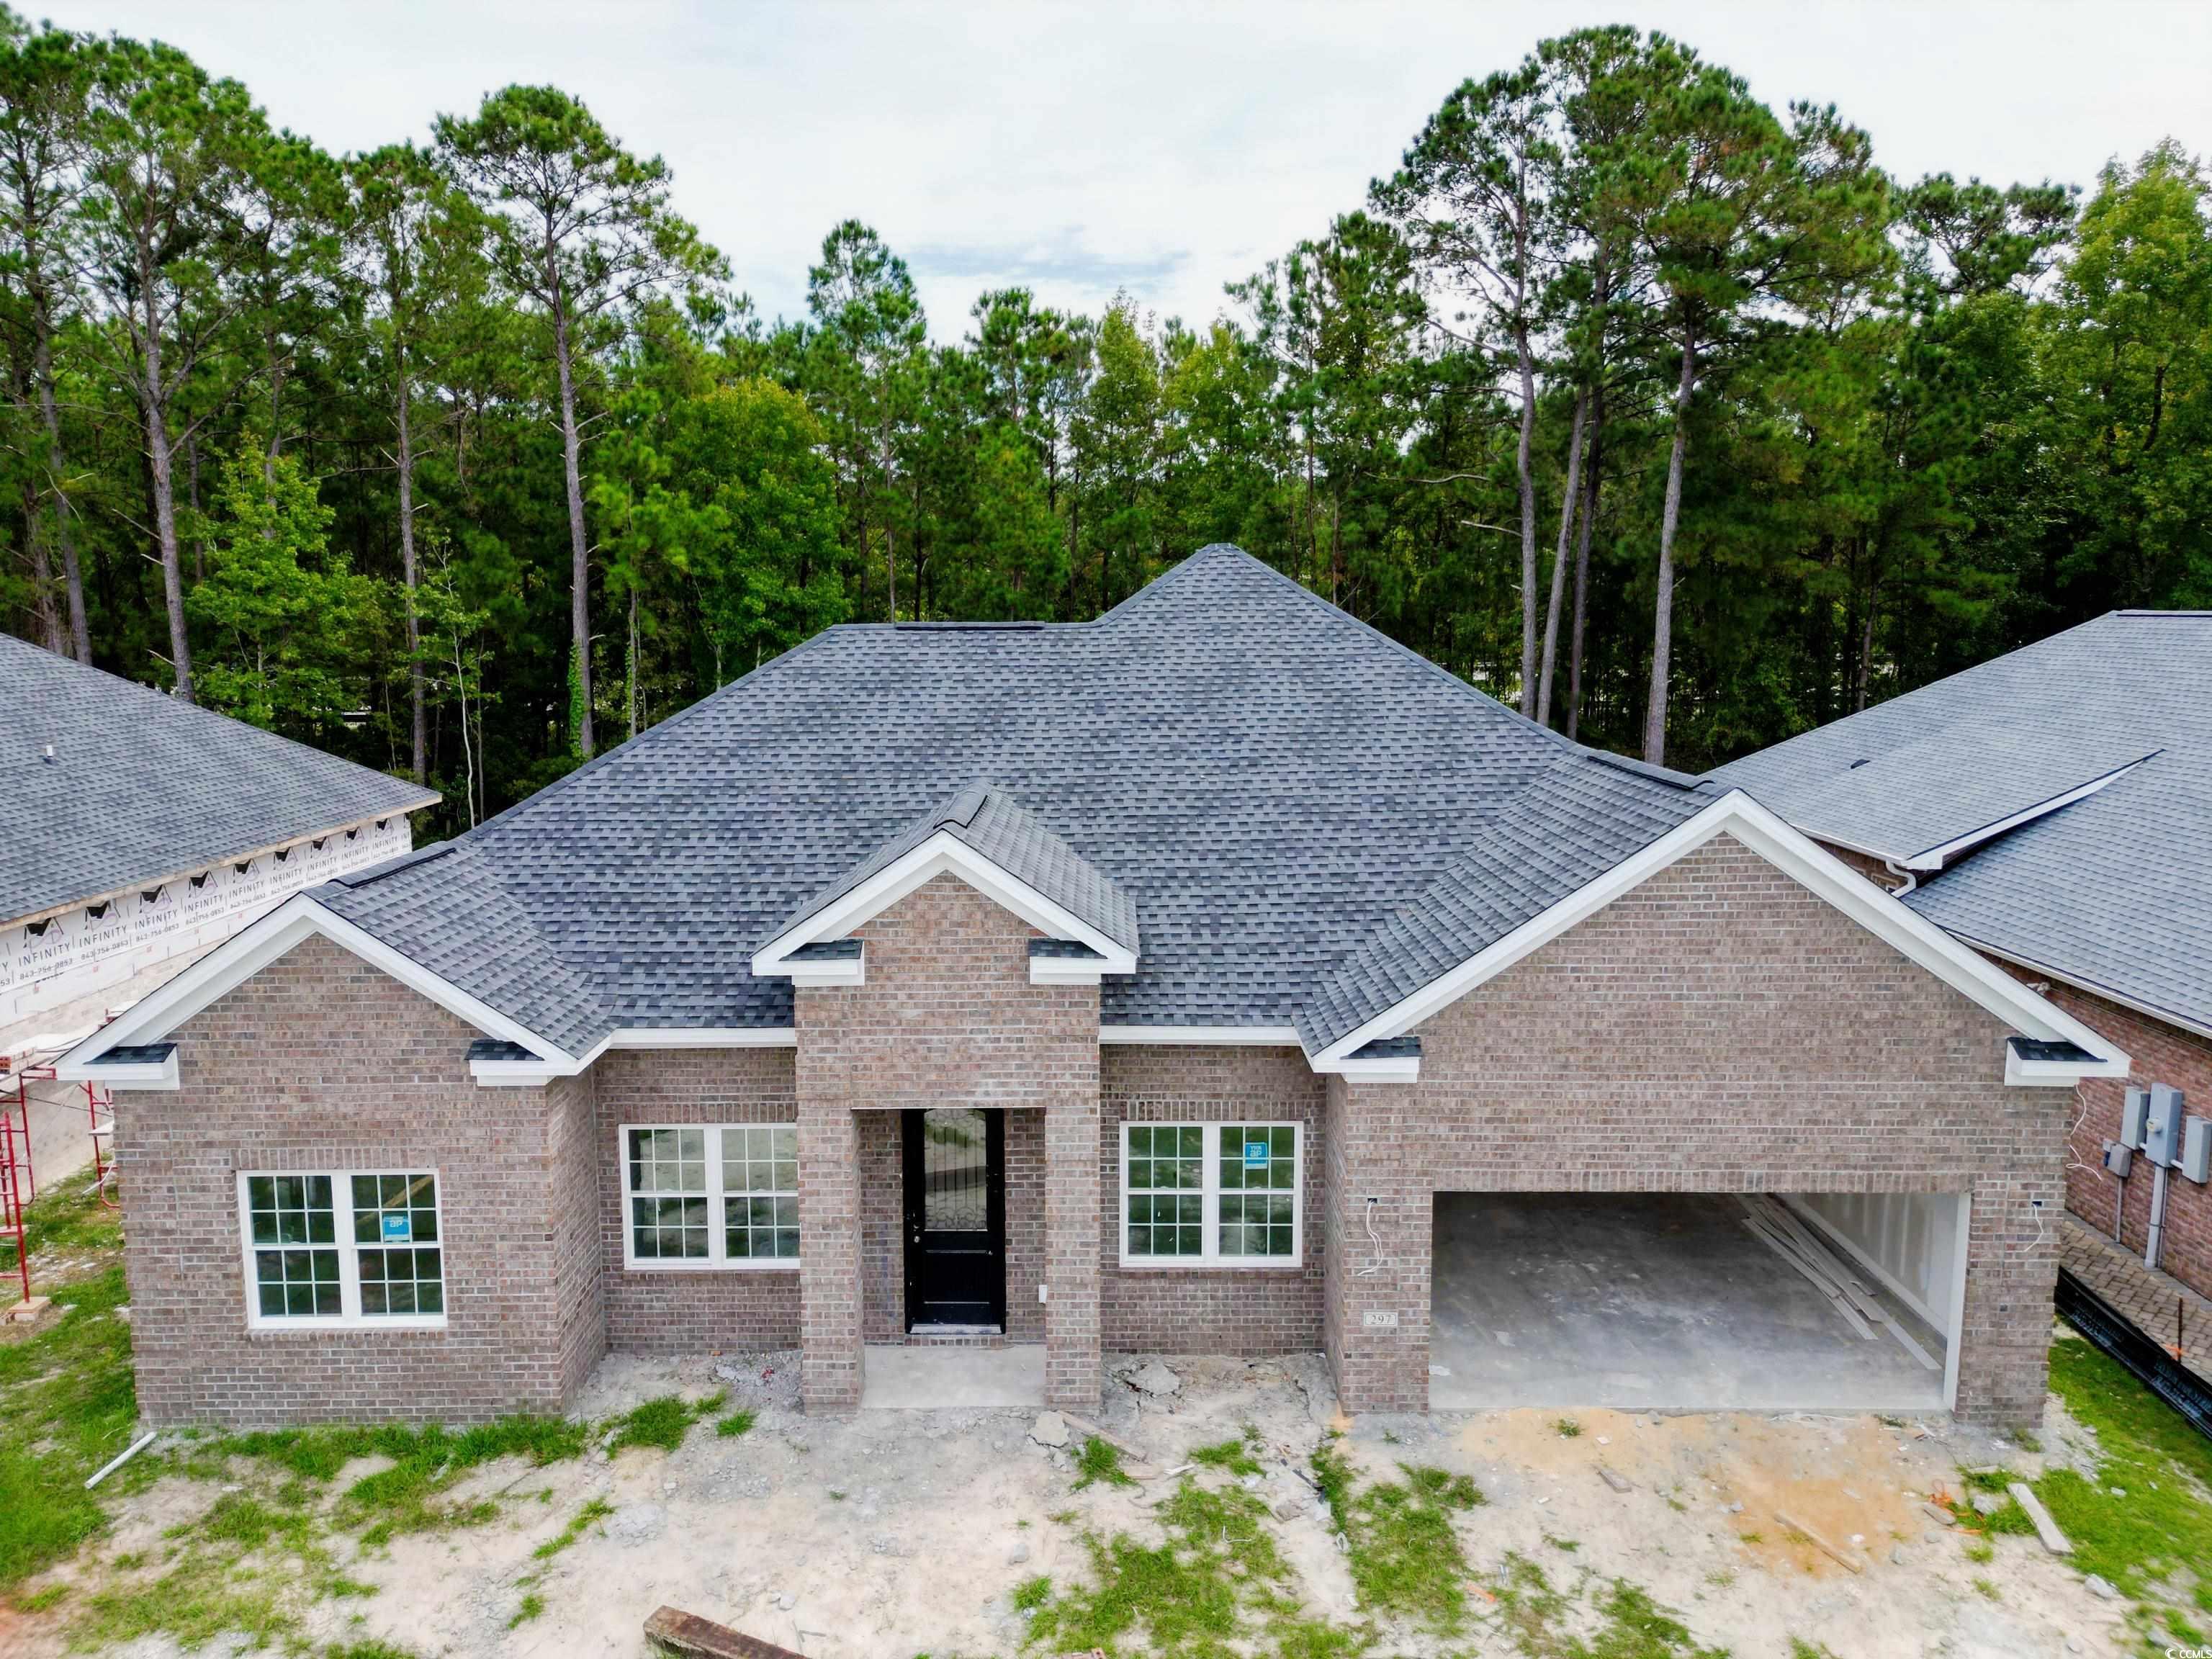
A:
<point x="1256" y="1154"/>
<point x="398" y="1228"/>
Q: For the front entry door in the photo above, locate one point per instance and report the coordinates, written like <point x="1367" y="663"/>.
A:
<point x="956" y="1218"/>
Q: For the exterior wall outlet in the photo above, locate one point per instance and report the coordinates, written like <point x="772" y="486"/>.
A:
<point x="1380" y="1320"/>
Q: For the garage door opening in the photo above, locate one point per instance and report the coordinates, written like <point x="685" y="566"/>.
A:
<point x="1696" y="1301"/>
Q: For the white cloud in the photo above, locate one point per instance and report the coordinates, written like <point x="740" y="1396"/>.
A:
<point x="1165" y="149"/>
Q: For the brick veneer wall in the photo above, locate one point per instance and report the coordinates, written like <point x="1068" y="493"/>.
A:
<point x="2162" y="1053"/>
<point x="689" y="1310"/>
<point x="947" y="1018"/>
<point x="322" y="1062"/>
<point x="1237" y="1310"/>
<point x="1717" y="1029"/>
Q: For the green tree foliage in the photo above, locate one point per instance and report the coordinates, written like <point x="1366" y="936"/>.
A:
<point x="1653" y="407"/>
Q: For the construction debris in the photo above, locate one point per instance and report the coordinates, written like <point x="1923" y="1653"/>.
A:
<point x="2045" y="1527"/>
<point x="1050" y="1429"/>
<point x="1614" y="1478"/>
<point x="1842" y="1558"/>
<point x="1796" y="1243"/>
<point x="672" y="1631"/>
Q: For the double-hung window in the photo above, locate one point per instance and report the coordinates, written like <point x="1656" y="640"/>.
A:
<point x="1211" y="1194"/>
<point x="343" y="1247"/>
<point x="710" y="1195"/>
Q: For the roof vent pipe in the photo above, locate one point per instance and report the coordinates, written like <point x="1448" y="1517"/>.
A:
<point x="50" y="754"/>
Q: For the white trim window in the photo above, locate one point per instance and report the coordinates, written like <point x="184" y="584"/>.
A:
<point x="325" y="1249"/>
<point x="709" y="1195"/>
<point x="1211" y="1195"/>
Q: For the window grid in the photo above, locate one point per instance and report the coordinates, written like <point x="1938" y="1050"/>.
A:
<point x="668" y="1205"/>
<point x="723" y="1195"/>
<point x="319" y="1251"/>
<point x="1229" y="1194"/>
<point x="760" y="1191"/>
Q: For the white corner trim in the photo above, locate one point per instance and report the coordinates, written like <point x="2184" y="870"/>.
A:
<point x="1936" y="857"/>
<point x="246" y="953"/>
<point x="941" y="854"/>
<point x="1797" y="856"/>
<point x="1265" y="1036"/>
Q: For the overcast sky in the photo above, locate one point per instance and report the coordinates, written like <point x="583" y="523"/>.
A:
<point x="1083" y="148"/>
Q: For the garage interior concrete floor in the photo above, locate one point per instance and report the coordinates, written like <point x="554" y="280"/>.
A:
<point x="1659" y="1301"/>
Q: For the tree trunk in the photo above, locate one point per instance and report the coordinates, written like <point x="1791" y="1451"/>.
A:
<point x="633" y="658"/>
<point x="1528" y="483"/>
<point x="580" y="567"/>
<point x="1591" y="488"/>
<point x="417" y="723"/>
<point x="158" y="460"/>
<point x="1663" y="609"/>
<point x="79" y="631"/>
<point x="49" y="617"/>
<point x="1570" y="498"/>
<point x="199" y="523"/>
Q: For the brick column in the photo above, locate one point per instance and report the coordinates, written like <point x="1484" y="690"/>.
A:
<point x="1375" y="1257"/>
<point x="1072" y="1365"/>
<point x="2012" y="1270"/>
<point x="829" y="1251"/>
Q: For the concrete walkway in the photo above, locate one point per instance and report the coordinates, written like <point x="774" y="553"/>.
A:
<point x="1646" y="1301"/>
<point x="2154" y="1303"/>
<point x="900" y="1377"/>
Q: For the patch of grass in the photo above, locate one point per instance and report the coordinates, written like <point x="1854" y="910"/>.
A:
<point x="1597" y="1618"/>
<point x="588" y="1517"/>
<point x="528" y="1608"/>
<point x="368" y="1650"/>
<point x="1099" y="1459"/>
<point x="70" y="1221"/>
<point x="736" y="1424"/>
<point x="1216" y="1579"/>
<point x="2154" y="1541"/>
<point x="43" y="1600"/>
<point x="1801" y="1649"/>
<point x="1981" y="1553"/>
<point x="1568" y="1429"/>
<point x="662" y="1421"/>
<point x="70" y="1403"/>
<point x="1403" y="1550"/>
<point x="1987" y="1587"/>
<point x="1234" y="1455"/>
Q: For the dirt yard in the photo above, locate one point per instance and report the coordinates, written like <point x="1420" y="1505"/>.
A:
<point x="956" y="1532"/>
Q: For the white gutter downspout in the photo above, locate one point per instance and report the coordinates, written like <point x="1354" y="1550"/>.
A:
<point x="1907" y="880"/>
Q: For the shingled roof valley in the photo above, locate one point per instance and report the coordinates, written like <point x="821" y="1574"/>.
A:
<point x="1304" y="819"/>
<point x="140" y="787"/>
<point x="2112" y="890"/>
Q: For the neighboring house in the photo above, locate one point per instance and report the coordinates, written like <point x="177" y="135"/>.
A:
<point x="2053" y="809"/>
<point x="1141" y="984"/>
<point x="136" y="833"/>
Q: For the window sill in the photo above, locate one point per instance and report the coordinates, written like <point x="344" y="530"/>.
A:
<point x="1187" y="1265"/>
<point x="330" y="1326"/>
<point x="781" y="1264"/>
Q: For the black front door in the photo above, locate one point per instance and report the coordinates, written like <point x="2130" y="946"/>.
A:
<point x="955" y="1217"/>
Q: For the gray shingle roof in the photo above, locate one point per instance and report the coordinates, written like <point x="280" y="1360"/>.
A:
<point x="1276" y="786"/>
<point x="989" y="822"/>
<point x="143" y="787"/>
<point x="2111" y="891"/>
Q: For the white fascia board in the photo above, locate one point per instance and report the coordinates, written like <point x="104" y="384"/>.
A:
<point x="1259" y="1036"/>
<point x="1797" y="856"/>
<point x="1065" y="970"/>
<point x="836" y="970"/>
<point x="1936" y="857"/>
<point x="158" y="1076"/>
<point x="1406" y="1069"/>
<point x="522" y="1073"/>
<point x="2058" y="1073"/>
<point x="245" y="954"/>
<point x="941" y="854"/>
<point x="2102" y="993"/>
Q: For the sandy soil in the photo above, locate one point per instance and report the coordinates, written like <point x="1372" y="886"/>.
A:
<point x="895" y="1533"/>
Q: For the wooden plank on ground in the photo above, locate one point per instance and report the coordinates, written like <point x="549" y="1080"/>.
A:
<point x="677" y="1632"/>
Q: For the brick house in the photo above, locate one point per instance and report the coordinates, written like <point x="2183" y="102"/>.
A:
<point x="2053" y="809"/>
<point x="1144" y="984"/>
